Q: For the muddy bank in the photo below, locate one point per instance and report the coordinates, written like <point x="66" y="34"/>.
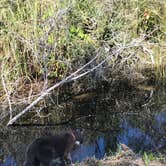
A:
<point x="126" y="157"/>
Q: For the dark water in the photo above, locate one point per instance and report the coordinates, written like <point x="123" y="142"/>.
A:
<point x="130" y="135"/>
<point x="135" y="117"/>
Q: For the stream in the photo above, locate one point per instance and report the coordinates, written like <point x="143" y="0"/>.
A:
<point x="132" y="116"/>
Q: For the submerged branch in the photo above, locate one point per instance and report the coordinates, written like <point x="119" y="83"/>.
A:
<point x="74" y="76"/>
<point x="45" y="93"/>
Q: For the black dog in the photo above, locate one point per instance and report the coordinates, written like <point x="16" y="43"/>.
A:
<point x="52" y="150"/>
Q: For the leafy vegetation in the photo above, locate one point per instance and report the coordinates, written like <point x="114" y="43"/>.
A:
<point x="47" y="40"/>
<point x="149" y="157"/>
<point x="43" y="42"/>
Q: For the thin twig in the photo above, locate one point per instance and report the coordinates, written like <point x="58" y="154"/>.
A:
<point x="6" y="91"/>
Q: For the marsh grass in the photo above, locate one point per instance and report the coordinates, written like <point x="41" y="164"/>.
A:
<point x="46" y="40"/>
<point x="149" y="157"/>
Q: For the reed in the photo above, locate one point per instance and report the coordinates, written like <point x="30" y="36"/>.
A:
<point x="46" y="40"/>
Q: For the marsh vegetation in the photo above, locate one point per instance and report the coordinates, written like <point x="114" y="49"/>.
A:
<point x="83" y="64"/>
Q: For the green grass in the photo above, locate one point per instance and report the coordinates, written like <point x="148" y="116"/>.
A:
<point x="149" y="157"/>
<point x="28" y="52"/>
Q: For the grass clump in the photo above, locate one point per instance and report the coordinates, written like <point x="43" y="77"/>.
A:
<point x="47" y="40"/>
<point x="150" y="157"/>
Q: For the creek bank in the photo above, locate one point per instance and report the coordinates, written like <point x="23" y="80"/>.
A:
<point x="126" y="157"/>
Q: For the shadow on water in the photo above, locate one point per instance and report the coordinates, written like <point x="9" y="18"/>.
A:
<point x="135" y="138"/>
<point x="134" y="117"/>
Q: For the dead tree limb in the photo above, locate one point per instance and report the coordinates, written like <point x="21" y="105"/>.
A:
<point x="45" y="93"/>
<point x="74" y="75"/>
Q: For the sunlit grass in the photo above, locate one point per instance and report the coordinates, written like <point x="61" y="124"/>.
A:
<point x="27" y="52"/>
<point x="149" y="157"/>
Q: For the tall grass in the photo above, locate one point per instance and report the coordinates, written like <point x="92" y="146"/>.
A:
<point x="48" y="39"/>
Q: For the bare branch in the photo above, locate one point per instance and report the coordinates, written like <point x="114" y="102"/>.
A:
<point x="67" y="79"/>
<point x="6" y="91"/>
<point x="74" y="75"/>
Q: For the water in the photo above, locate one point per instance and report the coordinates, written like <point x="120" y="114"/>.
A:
<point x="133" y="136"/>
<point x="135" y="117"/>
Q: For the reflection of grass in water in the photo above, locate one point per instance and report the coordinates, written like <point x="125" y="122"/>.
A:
<point x="78" y="34"/>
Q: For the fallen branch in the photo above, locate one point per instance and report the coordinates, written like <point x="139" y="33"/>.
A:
<point x="74" y="76"/>
<point x="67" y="79"/>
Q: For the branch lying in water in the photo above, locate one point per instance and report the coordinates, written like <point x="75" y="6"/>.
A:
<point x="75" y="76"/>
<point x="45" y="93"/>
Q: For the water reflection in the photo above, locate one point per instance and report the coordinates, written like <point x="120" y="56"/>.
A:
<point x="10" y="161"/>
<point x="132" y="136"/>
<point x="108" y="119"/>
<point x="95" y="149"/>
<point x="135" y="138"/>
